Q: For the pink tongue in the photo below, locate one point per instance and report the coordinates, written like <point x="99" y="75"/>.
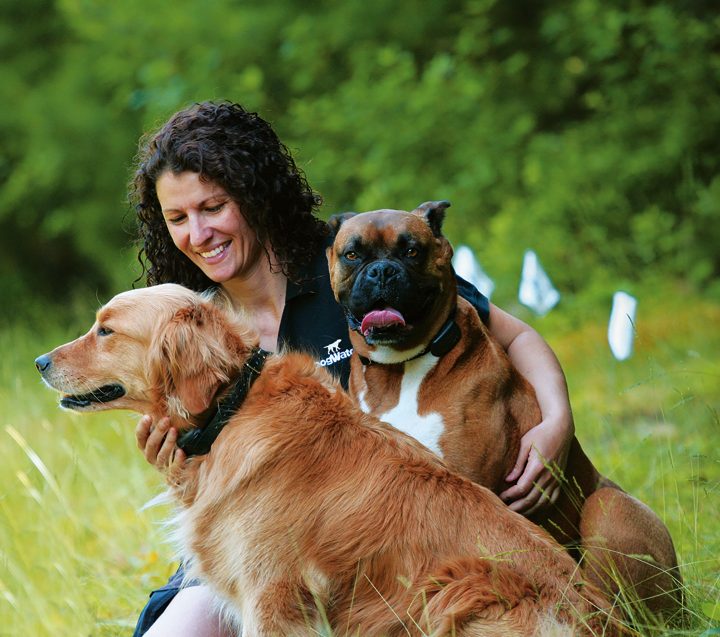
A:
<point x="381" y="318"/>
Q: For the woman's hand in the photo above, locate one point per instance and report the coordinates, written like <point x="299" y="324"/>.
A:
<point x="539" y="467"/>
<point x="157" y="442"/>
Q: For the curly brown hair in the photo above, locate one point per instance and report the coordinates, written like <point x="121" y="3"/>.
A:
<point x="239" y="151"/>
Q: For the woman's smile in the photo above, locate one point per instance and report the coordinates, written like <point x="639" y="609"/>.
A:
<point x="215" y="252"/>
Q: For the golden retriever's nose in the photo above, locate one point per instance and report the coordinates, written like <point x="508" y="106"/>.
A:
<point x="43" y="362"/>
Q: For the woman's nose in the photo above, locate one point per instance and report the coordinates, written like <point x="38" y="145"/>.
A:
<point x="200" y="231"/>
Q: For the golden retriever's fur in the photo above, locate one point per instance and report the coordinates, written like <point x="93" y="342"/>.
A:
<point x="306" y="507"/>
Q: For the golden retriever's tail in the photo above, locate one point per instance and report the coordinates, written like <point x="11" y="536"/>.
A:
<point x="471" y="596"/>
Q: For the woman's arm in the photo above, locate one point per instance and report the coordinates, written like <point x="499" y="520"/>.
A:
<point x="547" y="443"/>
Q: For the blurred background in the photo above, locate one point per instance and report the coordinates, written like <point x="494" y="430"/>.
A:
<point x="585" y="131"/>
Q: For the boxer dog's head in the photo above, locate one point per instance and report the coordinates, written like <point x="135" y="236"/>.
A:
<point x="391" y="272"/>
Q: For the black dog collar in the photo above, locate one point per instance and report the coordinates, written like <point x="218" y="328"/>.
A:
<point x="447" y="337"/>
<point x="197" y="442"/>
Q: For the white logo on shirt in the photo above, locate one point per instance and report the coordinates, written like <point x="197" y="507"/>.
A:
<point x="335" y="354"/>
<point x="333" y="347"/>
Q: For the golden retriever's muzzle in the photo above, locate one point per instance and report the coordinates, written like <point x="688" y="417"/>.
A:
<point x="104" y="394"/>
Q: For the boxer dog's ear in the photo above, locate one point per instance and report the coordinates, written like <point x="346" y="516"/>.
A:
<point x="434" y="213"/>
<point x="337" y="220"/>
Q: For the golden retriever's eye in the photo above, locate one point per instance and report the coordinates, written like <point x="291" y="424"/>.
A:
<point x="104" y="331"/>
<point x="351" y="255"/>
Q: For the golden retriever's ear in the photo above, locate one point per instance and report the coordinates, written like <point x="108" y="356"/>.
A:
<point x="193" y="357"/>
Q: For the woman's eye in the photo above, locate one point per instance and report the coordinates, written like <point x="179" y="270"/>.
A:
<point x="174" y="221"/>
<point x="411" y="253"/>
<point x="351" y="255"/>
<point x="104" y="331"/>
<point x="216" y="208"/>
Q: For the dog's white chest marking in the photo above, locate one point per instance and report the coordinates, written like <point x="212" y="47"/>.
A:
<point x="404" y="416"/>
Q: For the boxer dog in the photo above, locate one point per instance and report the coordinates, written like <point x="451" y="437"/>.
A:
<point x="300" y="511"/>
<point x="424" y="362"/>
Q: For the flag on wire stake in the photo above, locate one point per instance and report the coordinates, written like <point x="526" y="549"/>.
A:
<point x="536" y="289"/>
<point x="467" y="266"/>
<point x="621" y="328"/>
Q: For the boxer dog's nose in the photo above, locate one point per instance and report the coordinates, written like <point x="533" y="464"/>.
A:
<point x="382" y="271"/>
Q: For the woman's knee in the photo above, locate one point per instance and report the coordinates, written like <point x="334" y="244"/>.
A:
<point x="194" y="612"/>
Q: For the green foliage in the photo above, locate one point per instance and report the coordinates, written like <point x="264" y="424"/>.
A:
<point x="585" y="130"/>
<point x="574" y="128"/>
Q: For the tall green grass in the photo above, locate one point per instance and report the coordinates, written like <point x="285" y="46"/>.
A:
<point x="78" y="557"/>
<point x="652" y="424"/>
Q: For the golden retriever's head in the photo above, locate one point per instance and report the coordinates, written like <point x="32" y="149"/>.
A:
<point x="163" y="349"/>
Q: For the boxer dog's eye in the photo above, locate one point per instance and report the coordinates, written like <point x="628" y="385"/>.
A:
<point x="411" y="253"/>
<point x="351" y="255"/>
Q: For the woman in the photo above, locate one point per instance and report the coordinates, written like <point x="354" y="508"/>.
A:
<point x="221" y="203"/>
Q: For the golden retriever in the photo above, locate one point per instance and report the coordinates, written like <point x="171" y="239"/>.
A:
<point x="307" y="512"/>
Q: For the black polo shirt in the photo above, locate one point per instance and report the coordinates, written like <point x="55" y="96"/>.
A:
<point x="313" y="322"/>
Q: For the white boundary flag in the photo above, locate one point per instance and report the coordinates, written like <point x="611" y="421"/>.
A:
<point x="536" y="289"/>
<point x="466" y="265"/>
<point x="621" y="328"/>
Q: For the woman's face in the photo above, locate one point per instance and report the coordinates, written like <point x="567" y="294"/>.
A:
<point x="207" y="226"/>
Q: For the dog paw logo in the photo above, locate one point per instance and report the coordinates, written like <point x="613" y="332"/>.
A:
<point x="333" y="348"/>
